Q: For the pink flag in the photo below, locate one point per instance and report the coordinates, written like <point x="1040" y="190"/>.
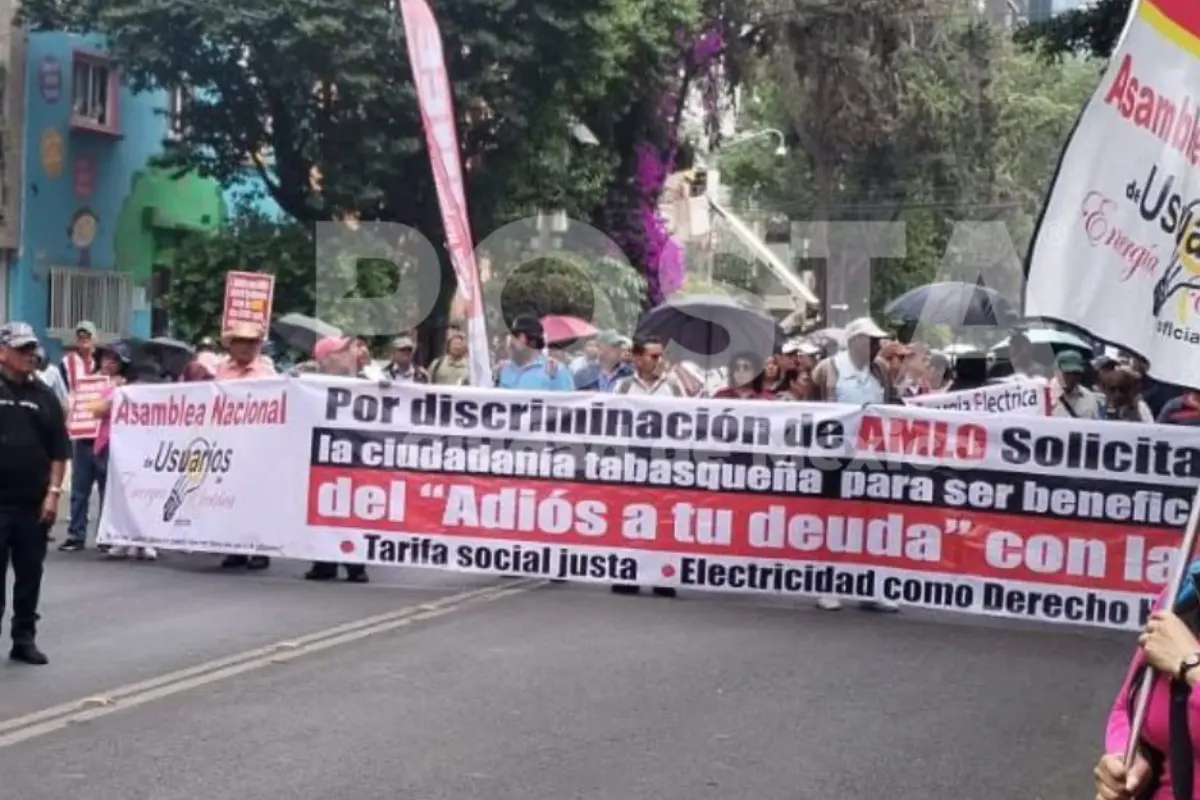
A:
<point x="441" y="139"/>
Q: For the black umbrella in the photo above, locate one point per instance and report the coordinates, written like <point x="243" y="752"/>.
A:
<point x="709" y="330"/>
<point x="171" y="354"/>
<point x="952" y="303"/>
<point x="301" y="332"/>
<point x="140" y="356"/>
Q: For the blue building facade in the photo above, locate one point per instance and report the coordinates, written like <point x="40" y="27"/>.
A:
<point x="97" y="220"/>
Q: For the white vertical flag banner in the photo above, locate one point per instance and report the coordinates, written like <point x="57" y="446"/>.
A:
<point x="441" y="138"/>
<point x="1117" y="252"/>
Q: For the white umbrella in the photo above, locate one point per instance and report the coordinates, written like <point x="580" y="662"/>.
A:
<point x="1048" y="336"/>
<point x="958" y="348"/>
<point x="301" y="332"/>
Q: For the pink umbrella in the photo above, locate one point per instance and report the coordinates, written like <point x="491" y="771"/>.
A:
<point x="558" y="328"/>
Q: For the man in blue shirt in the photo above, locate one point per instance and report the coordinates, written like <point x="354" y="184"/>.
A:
<point x="603" y="374"/>
<point x="527" y="368"/>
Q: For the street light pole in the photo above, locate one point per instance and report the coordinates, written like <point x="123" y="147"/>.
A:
<point x="713" y="172"/>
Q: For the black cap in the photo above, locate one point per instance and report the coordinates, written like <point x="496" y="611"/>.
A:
<point x="528" y="325"/>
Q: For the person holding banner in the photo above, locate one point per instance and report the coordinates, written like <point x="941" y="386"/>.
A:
<point x="403" y="367"/>
<point x="336" y="355"/>
<point x="940" y="373"/>
<point x="1122" y="397"/>
<point x="34" y="449"/>
<point x="1166" y="764"/>
<point x="746" y="379"/>
<point x="856" y="375"/>
<point x="603" y="374"/>
<point x="451" y="368"/>
<point x="798" y="387"/>
<point x="243" y="341"/>
<point x="116" y="363"/>
<point x="527" y="368"/>
<point x="970" y="372"/>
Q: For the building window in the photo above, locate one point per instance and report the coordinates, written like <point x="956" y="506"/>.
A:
<point x="103" y="296"/>
<point x="93" y="93"/>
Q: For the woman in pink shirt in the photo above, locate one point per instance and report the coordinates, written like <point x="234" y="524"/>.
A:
<point x="115" y="363"/>
<point x="1166" y="763"/>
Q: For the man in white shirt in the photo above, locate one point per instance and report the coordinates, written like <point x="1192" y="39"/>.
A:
<point x="857" y="375"/>
<point x="1068" y="396"/>
<point x="649" y="378"/>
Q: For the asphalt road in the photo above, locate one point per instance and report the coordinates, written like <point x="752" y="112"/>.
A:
<point x="546" y="693"/>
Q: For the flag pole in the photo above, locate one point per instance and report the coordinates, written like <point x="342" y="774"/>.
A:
<point x="1186" y="549"/>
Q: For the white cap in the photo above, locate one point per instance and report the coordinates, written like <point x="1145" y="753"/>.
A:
<point x="865" y="326"/>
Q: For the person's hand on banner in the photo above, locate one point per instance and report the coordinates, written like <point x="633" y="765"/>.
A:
<point x="1167" y="642"/>
<point x="1114" y="782"/>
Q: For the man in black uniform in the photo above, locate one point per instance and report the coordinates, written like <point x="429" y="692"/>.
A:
<point x="34" y="449"/>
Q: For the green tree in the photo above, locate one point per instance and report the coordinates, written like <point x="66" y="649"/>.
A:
<point x="608" y="293"/>
<point x="285" y="249"/>
<point x="1092" y="29"/>
<point x="970" y="129"/>
<point x="317" y="96"/>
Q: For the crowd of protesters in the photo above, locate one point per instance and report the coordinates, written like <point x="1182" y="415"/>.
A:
<point x="866" y="367"/>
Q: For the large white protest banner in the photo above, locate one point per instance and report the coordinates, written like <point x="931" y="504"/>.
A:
<point x="1117" y="252"/>
<point x="1027" y="517"/>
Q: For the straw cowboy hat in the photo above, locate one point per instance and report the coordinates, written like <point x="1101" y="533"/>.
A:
<point x="242" y="330"/>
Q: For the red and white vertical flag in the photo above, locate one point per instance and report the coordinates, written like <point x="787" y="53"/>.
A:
<point x="441" y="138"/>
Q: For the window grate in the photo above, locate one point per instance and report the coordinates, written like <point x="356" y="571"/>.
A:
<point x="101" y="296"/>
